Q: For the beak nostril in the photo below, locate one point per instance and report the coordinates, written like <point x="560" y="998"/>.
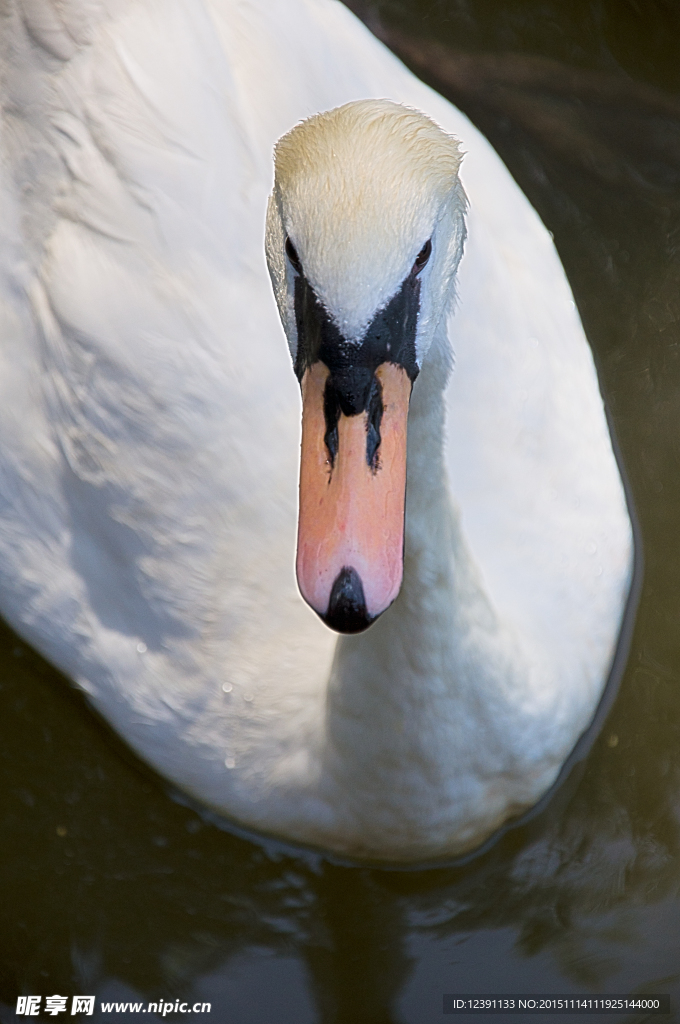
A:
<point x="374" y="419"/>
<point x="331" y="411"/>
<point x="347" y="604"/>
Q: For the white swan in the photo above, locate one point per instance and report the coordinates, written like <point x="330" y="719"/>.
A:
<point x="149" y="429"/>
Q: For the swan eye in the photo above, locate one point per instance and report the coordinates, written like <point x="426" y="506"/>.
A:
<point x="291" y="253"/>
<point x="422" y="257"/>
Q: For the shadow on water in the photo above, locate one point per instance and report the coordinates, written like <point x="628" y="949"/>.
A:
<point x="110" y="887"/>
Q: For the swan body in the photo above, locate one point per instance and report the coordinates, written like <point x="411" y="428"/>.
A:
<point x="150" y="430"/>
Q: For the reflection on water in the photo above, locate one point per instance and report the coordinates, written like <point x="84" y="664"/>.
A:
<point x="109" y="886"/>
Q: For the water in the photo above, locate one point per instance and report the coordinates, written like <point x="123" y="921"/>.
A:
<point x="110" y="886"/>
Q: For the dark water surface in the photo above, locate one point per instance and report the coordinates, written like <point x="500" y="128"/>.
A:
<point x="109" y="887"/>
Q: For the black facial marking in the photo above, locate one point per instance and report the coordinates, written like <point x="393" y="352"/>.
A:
<point x="390" y="338"/>
<point x="333" y="406"/>
<point x="347" y="605"/>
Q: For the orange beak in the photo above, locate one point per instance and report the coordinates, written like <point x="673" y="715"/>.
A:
<point x="351" y="523"/>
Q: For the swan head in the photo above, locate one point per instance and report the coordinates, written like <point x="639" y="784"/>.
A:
<point x="365" y="229"/>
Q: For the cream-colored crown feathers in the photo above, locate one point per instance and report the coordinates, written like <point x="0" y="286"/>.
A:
<point x="359" y="190"/>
